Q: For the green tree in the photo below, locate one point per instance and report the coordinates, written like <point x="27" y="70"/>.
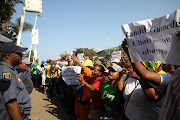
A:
<point x="87" y="51"/>
<point x="6" y="13"/>
<point x="13" y="30"/>
<point x="62" y="56"/>
<point x="108" y="52"/>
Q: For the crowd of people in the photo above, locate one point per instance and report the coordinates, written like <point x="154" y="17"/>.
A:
<point x="107" y="90"/>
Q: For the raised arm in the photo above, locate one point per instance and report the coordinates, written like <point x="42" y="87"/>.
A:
<point x="76" y="59"/>
<point x="89" y="86"/>
<point x="149" y="91"/>
<point x="141" y="71"/>
<point x="68" y="60"/>
<point x="120" y="82"/>
<point x="144" y="74"/>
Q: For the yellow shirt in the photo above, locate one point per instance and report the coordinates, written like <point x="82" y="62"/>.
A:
<point x="49" y="75"/>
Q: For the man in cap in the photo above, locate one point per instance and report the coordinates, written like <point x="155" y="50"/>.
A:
<point x="3" y="114"/>
<point x="23" y="71"/>
<point x="14" y="93"/>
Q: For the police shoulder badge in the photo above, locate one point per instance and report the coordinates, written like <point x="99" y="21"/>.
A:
<point x="7" y="76"/>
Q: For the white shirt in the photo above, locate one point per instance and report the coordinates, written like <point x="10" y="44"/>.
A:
<point x="139" y="106"/>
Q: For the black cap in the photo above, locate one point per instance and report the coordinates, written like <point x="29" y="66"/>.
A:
<point x="11" y="47"/>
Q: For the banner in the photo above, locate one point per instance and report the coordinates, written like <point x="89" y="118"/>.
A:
<point x="69" y="74"/>
<point x="116" y="56"/>
<point x="35" y="40"/>
<point x="33" y="6"/>
<point x="154" y="39"/>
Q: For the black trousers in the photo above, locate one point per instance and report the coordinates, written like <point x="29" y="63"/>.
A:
<point x="35" y="79"/>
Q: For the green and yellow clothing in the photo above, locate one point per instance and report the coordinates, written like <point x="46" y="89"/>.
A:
<point x="113" y="99"/>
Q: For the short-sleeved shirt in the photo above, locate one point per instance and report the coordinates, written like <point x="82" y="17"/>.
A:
<point x="113" y="97"/>
<point x="49" y="74"/>
<point x="3" y="114"/>
<point x="35" y="70"/>
<point x="139" y="106"/>
<point x="12" y="88"/>
<point x="96" y="93"/>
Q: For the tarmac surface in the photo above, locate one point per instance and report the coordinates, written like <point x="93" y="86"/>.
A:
<point x="44" y="108"/>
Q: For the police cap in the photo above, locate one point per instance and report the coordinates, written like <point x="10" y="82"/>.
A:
<point x="11" y="47"/>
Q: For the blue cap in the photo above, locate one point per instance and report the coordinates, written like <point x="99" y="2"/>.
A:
<point x="42" y="62"/>
<point x="11" y="47"/>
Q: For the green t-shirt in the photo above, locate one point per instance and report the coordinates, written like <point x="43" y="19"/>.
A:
<point x="35" y="71"/>
<point x="114" y="101"/>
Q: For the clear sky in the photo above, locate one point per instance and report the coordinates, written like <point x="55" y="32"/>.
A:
<point x="69" y="24"/>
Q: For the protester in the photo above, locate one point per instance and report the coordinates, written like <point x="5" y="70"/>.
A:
<point x="94" y="85"/>
<point x="82" y="93"/>
<point x="49" y="77"/>
<point x="14" y="93"/>
<point x="111" y="94"/>
<point x="35" y="75"/>
<point x="147" y="80"/>
<point x="105" y="74"/>
<point x="43" y="75"/>
<point x="39" y="68"/>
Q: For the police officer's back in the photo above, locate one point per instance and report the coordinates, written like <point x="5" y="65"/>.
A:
<point x="14" y="93"/>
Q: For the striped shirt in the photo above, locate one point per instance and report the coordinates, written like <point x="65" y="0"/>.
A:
<point x="171" y="107"/>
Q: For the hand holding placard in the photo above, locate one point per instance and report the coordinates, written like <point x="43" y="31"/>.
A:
<point x="154" y="39"/>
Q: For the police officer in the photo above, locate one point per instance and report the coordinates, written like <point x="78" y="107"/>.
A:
<point x="3" y="111"/>
<point x="14" y="93"/>
<point x="23" y="71"/>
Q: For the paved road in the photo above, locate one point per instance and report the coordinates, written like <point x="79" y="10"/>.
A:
<point x="44" y="108"/>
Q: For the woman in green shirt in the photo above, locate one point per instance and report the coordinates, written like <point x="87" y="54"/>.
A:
<point x="111" y="96"/>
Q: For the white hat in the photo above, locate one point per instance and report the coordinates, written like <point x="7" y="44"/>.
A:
<point x="116" y="68"/>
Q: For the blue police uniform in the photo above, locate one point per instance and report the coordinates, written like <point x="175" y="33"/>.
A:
<point x="3" y="110"/>
<point x="12" y="88"/>
<point x="26" y="79"/>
